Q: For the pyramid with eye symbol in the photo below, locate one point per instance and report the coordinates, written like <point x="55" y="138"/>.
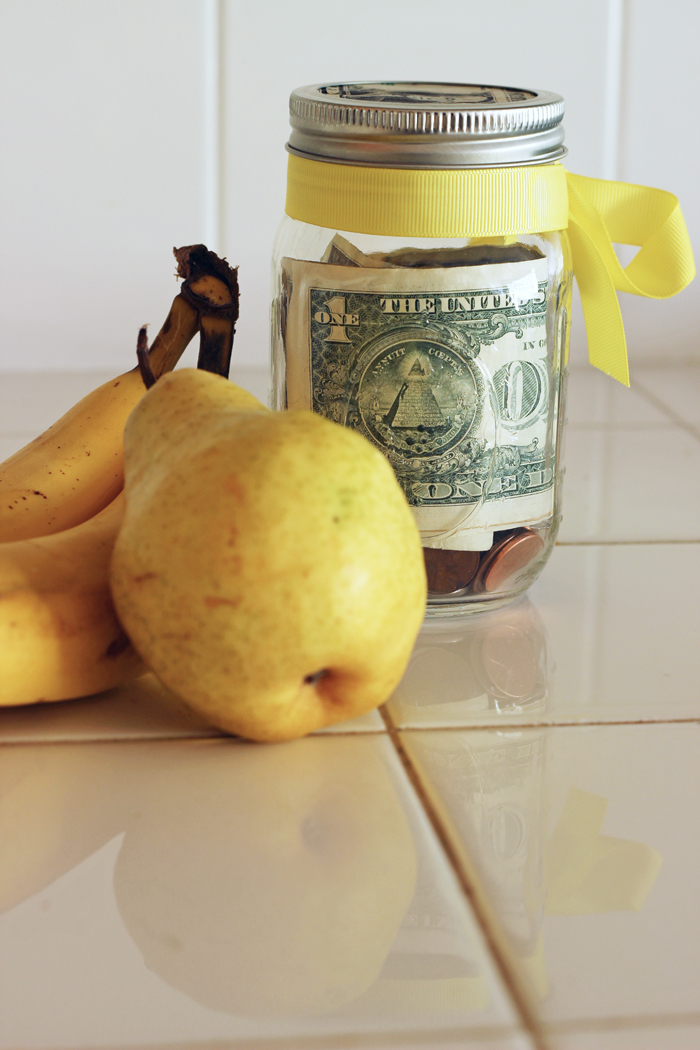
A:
<point x="415" y="405"/>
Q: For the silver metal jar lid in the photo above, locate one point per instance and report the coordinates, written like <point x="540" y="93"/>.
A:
<point x="407" y="124"/>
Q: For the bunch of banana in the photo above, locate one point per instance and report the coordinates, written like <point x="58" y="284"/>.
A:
<point x="59" y="634"/>
<point x="61" y="508"/>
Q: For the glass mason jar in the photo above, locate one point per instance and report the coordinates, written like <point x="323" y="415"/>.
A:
<point x="447" y="347"/>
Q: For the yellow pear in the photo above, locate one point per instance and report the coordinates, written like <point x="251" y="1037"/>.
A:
<point x="268" y="568"/>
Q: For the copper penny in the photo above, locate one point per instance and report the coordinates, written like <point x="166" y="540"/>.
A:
<point x="508" y="558"/>
<point x="449" y="571"/>
<point x="487" y="557"/>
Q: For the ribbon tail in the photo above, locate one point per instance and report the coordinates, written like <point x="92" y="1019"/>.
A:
<point x="607" y="346"/>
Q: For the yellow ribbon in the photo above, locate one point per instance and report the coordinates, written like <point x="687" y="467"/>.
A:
<point x="493" y="202"/>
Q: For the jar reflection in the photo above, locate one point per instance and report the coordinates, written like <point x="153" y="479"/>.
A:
<point x="467" y="710"/>
<point x="469" y="669"/>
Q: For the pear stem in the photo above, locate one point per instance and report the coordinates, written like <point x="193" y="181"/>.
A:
<point x="311" y="679"/>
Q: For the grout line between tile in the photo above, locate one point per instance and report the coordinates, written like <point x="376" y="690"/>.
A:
<point x="624" y="1023"/>
<point x="626" y="427"/>
<point x="339" y="1041"/>
<point x="411" y="727"/>
<point x="621" y="543"/>
<point x="437" y="727"/>
<point x="469" y="884"/>
<point x="51" y="741"/>
<point x="31" y="741"/>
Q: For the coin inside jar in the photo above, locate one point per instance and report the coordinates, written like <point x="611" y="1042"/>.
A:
<point x="508" y="557"/>
<point x="449" y="571"/>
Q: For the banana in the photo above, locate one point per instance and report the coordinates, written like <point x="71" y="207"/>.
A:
<point x="76" y="467"/>
<point x="59" y="634"/>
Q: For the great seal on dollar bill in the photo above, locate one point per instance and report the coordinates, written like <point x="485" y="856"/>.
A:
<point x="417" y="393"/>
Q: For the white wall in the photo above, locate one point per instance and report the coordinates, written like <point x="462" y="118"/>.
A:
<point x="130" y="126"/>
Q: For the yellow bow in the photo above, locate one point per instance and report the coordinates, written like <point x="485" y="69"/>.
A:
<point x="603" y="212"/>
<point x="506" y="201"/>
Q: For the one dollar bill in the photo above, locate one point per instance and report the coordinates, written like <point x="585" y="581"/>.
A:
<point x="444" y="369"/>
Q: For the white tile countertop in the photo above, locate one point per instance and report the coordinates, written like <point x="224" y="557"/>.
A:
<point x="506" y="856"/>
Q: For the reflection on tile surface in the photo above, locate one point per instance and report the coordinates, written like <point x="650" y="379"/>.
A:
<point x="144" y="709"/>
<point x="585" y="842"/>
<point x="140" y="709"/>
<point x="477" y="669"/>
<point x="597" y="640"/>
<point x="210" y="889"/>
<point x="631" y="484"/>
<point x="614" y="622"/>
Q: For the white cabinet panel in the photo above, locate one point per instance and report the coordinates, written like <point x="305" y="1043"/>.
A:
<point x="661" y="147"/>
<point x="102" y="109"/>
<point x="271" y="47"/>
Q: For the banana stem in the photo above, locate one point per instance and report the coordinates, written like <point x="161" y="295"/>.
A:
<point x="215" y="344"/>
<point x="207" y="303"/>
<point x="211" y="287"/>
<point x="144" y="362"/>
<point x="179" y="328"/>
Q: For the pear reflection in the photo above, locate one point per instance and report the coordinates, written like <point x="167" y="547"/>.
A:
<point x="265" y="881"/>
<point x="58" y="805"/>
<point x="466" y="669"/>
<point x="292" y="880"/>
